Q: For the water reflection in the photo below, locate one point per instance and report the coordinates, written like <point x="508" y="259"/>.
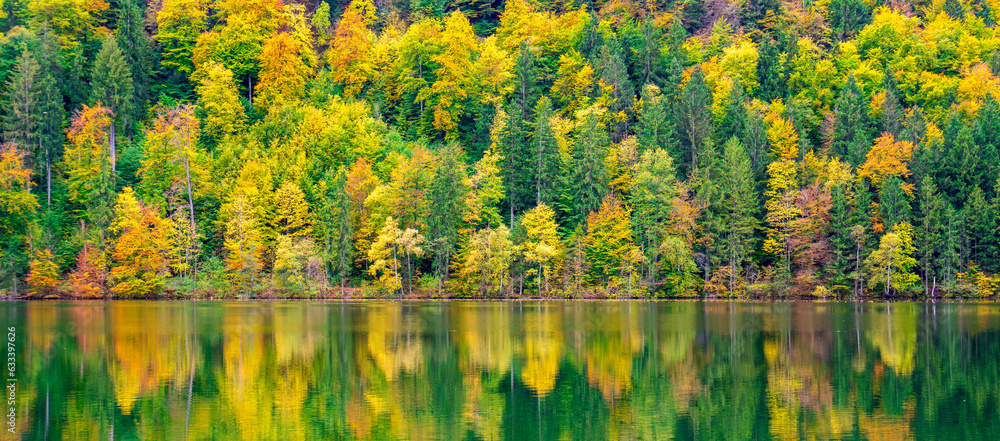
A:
<point x="467" y="370"/>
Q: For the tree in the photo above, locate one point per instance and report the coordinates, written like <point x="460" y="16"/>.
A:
<point x="891" y="264"/>
<point x="243" y="243"/>
<point x="349" y="52"/>
<point x="283" y="73"/>
<point x="738" y="206"/>
<point x="138" y="51"/>
<point x="852" y="130"/>
<point x="609" y="244"/>
<point x="542" y="245"/>
<point x="653" y="194"/>
<point x="140" y="260"/>
<point x="112" y="87"/>
<point x="22" y="117"/>
<point x="547" y="158"/>
<point x="613" y="74"/>
<point x="218" y="102"/>
<point x="179" y="24"/>
<point x="291" y="215"/>
<point x="44" y="275"/>
<point x="448" y="196"/>
<point x="171" y="168"/>
<point x="339" y="219"/>
<point x="894" y="204"/>
<point x="980" y="224"/>
<point x="782" y="190"/>
<point x="655" y="127"/>
<point x="847" y="17"/>
<point x="17" y="204"/>
<point x="90" y="179"/>
<point x="385" y="259"/>
<point x="589" y="178"/>
<point x="887" y="158"/>
<point x="488" y="256"/>
<point x="694" y="121"/>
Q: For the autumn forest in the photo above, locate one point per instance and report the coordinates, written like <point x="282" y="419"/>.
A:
<point x="499" y="149"/>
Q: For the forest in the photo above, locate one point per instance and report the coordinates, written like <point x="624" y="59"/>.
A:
<point x="499" y="149"/>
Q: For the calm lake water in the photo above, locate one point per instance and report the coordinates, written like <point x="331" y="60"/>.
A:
<point x="521" y="371"/>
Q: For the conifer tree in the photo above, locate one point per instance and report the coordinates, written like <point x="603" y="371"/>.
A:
<point x="852" y="133"/>
<point x="546" y="149"/>
<point x="655" y="128"/>
<point x="694" y="121"/>
<point x="589" y="176"/>
<point x="113" y="88"/>
<point x="894" y="204"/>
<point x="448" y="195"/>
<point x="738" y="206"/>
<point x="22" y="114"/>
<point x="138" y="53"/>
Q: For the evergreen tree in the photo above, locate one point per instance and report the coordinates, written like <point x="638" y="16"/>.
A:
<point x="694" y="121"/>
<point x="612" y="71"/>
<point x="980" y="225"/>
<point x="340" y="227"/>
<point x="135" y="45"/>
<point x="894" y="204"/>
<point x="447" y="196"/>
<point x="852" y="133"/>
<point x="23" y="113"/>
<point x="546" y="171"/>
<point x="842" y="244"/>
<point x="932" y="234"/>
<point x="527" y="90"/>
<point x="113" y="88"/>
<point x="51" y="106"/>
<point x="738" y="204"/>
<point x="892" y="107"/>
<point x="515" y="146"/>
<point x="589" y="178"/>
<point x="847" y="17"/>
<point x="654" y="126"/>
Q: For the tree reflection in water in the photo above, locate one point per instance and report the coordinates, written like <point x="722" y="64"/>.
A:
<point x="471" y="370"/>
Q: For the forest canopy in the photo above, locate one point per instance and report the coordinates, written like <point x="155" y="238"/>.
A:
<point x="487" y="148"/>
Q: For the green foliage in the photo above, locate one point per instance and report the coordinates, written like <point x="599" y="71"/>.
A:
<point x="517" y="147"/>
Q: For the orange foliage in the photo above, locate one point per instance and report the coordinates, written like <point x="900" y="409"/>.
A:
<point x="87" y="280"/>
<point x="886" y="158"/>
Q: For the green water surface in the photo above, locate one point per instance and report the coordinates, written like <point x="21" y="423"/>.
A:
<point x="490" y="370"/>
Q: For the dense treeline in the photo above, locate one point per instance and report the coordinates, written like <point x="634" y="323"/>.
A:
<point x="484" y="148"/>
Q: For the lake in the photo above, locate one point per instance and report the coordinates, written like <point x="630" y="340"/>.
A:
<point x="490" y="370"/>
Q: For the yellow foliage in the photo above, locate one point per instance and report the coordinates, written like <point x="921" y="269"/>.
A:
<point x="886" y="158"/>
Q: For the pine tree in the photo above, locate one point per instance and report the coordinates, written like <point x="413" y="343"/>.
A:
<point x="547" y="159"/>
<point x="589" y="177"/>
<point x="979" y="227"/>
<point x="613" y="72"/>
<point x="448" y="195"/>
<point x="932" y="235"/>
<point x="338" y="214"/>
<point x="22" y="117"/>
<point x="138" y="53"/>
<point x="894" y="204"/>
<point x="113" y="88"/>
<point x="51" y="106"/>
<point x="694" y="122"/>
<point x="842" y="244"/>
<point x="738" y="206"/>
<point x="655" y="128"/>
<point x="852" y="133"/>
